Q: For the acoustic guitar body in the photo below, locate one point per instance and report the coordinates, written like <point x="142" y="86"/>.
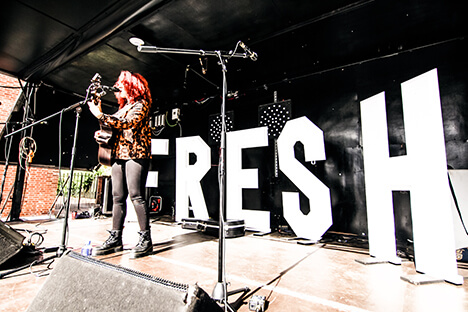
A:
<point x="105" y="141"/>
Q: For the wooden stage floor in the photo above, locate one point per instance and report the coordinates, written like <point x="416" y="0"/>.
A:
<point x="292" y="276"/>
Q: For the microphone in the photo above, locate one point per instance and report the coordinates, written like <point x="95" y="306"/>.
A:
<point x="110" y="89"/>
<point x="253" y="56"/>
<point x="99" y="90"/>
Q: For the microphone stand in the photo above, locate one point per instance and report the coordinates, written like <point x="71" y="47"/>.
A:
<point x="220" y="292"/>
<point x="78" y="110"/>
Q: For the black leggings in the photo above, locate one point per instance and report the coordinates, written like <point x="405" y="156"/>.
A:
<point x="129" y="178"/>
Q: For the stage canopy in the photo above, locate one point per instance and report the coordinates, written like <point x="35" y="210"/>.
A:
<point x="64" y="43"/>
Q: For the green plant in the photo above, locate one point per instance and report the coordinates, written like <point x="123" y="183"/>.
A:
<point x="81" y="182"/>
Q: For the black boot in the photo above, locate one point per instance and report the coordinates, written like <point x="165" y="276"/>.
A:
<point x="112" y="244"/>
<point x="144" y="246"/>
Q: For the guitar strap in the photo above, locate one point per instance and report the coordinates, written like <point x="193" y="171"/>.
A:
<point x="124" y="110"/>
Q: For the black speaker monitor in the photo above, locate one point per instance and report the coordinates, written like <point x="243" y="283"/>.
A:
<point x="11" y="242"/>
<point x="79" y="283"/>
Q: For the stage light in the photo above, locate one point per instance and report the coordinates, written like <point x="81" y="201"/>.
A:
<point x="214" y="136"/>
<point x="136" y="41"/>
<point x="274" y="116"/>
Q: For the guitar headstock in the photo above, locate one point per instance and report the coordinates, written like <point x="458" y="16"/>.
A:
<point x="95" y="88"/>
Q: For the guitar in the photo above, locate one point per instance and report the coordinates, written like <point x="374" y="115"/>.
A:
<point x="105" y="139"/>
<point x="105" y="136"/>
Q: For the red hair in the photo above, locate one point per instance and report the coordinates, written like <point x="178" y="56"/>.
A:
<point x="136" y="87"/>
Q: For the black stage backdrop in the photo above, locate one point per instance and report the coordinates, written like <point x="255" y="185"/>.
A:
<point x="327" y="92"/>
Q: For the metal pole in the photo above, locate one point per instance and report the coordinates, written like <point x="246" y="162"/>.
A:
<point x="62" y="247"/>
<point x="220" y="292"/>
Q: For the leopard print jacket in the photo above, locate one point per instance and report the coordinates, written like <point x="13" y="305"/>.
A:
<point x="132" y="131"/>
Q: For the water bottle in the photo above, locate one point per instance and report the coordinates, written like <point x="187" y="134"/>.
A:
<point x="87" y="249"/>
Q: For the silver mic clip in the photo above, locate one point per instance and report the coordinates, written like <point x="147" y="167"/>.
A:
<point x="253" y="56"/>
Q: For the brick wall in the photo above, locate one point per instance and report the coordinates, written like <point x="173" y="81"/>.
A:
<point x="40" y="185"/>
<point x="9" y="92"/>
<point x="40" y="182"/>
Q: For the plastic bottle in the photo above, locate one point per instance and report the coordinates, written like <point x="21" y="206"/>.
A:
<point x="87" y="249"/>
